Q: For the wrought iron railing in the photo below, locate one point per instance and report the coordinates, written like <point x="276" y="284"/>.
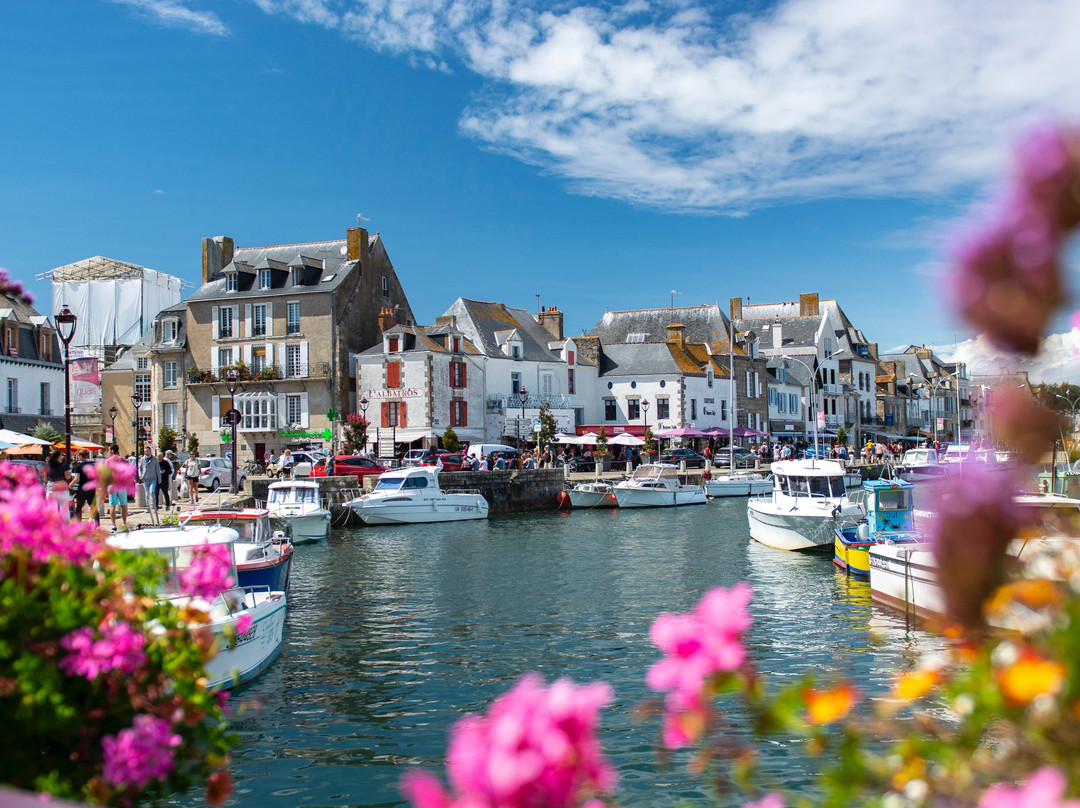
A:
<point x="511" y="401"/>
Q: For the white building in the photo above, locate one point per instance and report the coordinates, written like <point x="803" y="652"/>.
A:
<point x="31" y="368"/>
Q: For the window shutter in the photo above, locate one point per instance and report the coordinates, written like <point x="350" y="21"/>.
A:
<point x="247" y="319"/>
<point x="305" y="416"/>
<point x="453" y="372"/>
<point x="247" y="355"/>
<point x="214" y="322"/>
<point x="464" y="374"/>
<point x="214" y="360"/>
<point x="282" y="411"/>
<point x="269" y="354"/>
<point x="463" y="415"/>
<point x="304" y="369"/>
<point x="401" y="415"/>
<point x="385" y="414"/>
<point x="269" y="319"/>
<point x="393" y="374"/>
<point x="215" y="413"/>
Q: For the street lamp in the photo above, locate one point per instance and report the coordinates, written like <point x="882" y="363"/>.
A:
<point x="136" y="402"/>
<point x="813" y="398"/>
<point x="112" y="415"/>
<point x="363" y="417"/>
<point x="645" y="417"/>
<point x="524" y="394"/>
<point x="65" y="327"/>
<point x="234" y="423"/>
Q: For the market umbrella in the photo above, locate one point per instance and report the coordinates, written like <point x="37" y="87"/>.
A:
<point x="626" y="439"/>
<point x="682" y="432"/>
<point x="564" y="438"/>
<point x="19" y="439"/>
<point x="30" y="449"/>
<point x="747" y="432"/>
<point x="78" y="443"/>
<point x="588" y="439"/>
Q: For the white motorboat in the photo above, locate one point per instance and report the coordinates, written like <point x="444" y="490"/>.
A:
<point x="738" y="484"/>
<point x="262" y="555"/>
<point x="919" y="465"/>
<point x="245" y="656"/>
<point x="294" y="505"/>
<point x="593" y="494"/>
<point x="807" y="503"/>
<point x="413" y="495"/>
<point x="657" y="485"/>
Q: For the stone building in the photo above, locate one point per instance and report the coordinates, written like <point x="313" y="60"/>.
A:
<point x="31" y="368"/>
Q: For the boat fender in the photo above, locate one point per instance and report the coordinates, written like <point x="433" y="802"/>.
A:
<point x="563" y="500"/>
<point x="863" y="531"/>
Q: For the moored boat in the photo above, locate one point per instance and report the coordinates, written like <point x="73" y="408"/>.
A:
<point x="263" y="557"/>
<point x="656" y="485"/>
<point x="240" y="657"/>
<point x="414" y="496"/>
<point x="889" y="519"/>
<point x="294" y="505"/>
<point x="807" y="503"/>
<point x="920" y="465"/>
<point x="738" y="484"/>
<point x="592" y="494"/>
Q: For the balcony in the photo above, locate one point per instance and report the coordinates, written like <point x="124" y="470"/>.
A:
<point x="832" y="420"/>
<point x="312" y="370"/>
<point x="512" y="401"/>
<point x="832" y="389"/>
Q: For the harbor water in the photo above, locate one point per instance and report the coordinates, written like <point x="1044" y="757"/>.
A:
<point x="394" y="633"/>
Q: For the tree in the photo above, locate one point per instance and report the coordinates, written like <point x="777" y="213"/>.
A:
<point x="450" y="440"/>
<point x="649" y="447"/>
<point x="1059" y="397"/>
<point x="166" y="439"/>
<point x="841" y="436"/>
<point x="193" y="444"/>
<point x="548" y="427"/>
<point x="601" y="444"/>
<point x="355" y="433"/>
<point x="44" y="431"/>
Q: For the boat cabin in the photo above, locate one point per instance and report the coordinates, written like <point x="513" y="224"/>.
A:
<point x="919" y="457"/>
<point x="799" y="478"/>
<point x="295" y="493"/>
<point x="889" y="509"/>
<point x="655" y="474"/>
<point x="251" y="524"/>
<point x="408" y="480"/>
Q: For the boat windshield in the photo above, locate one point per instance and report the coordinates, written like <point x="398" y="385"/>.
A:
<point x="293" y="495"/>
<point x="388" y="484"/>
<point x="245" y="527"/>
<point x="811" y="486"/>
<point x="894" y="500"/>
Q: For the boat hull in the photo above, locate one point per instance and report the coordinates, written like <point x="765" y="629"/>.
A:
<point x="737" y="488"/>
<point x="272" y="573"/>
<point x="850" y="553"/>
<point x="905" y="578"/>
<point x="254" y="650"/>
<point x="303" y="528"/>
<point x="787" y="530"/>
<point x="658" y="497"/>
<point x="401" y="510"/>
<point x="592" y="499"/>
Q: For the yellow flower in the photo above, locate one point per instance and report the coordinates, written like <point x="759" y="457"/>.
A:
<point x="1030" y="676"/>
<point x="826" y="706"/>
<point x="915" y="684"/>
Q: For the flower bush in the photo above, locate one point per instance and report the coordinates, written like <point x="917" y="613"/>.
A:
<point x="994" y="722"/>
<point x="102" y="686"/>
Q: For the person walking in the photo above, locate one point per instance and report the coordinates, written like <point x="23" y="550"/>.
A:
<point x="286" y="464"/>
<point x="191" y="474"/>
<point x="118" y="496"/>
<point x="81" y="477"/>
<point x="167" y="472"/>
<point x="150" y="477"/>
<point x="58" y="480"/>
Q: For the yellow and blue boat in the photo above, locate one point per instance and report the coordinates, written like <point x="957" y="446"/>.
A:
<point x="890" y="518"/>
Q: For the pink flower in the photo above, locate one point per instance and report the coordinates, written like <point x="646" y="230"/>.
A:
<point x="975" y="517"/>
<point x="208" y="574"/>
<point x="140" y="754"/>
<point x="119" y="648"/>
<point x="535" y="747"/>
<point x="12" y="288"/>
<point x="770" y="800"/>
<point x="697" y="645"/>
<point x="243" y="623"/>
<point x="27" y="525"/>
<point x="1044" y="789"/>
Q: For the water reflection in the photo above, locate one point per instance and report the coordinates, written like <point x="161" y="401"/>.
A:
<point x="394" y="633"/>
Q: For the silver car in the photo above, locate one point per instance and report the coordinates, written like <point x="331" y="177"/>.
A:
<point x="216" y="472"/>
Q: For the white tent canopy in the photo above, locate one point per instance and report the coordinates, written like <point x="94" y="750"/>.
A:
<point x="626" y="439"/>
<point x="19" y="439"/>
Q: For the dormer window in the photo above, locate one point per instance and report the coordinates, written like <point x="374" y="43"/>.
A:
<point x="392" y="344"/>
<point x="142" y="363"/>
<point x="265" y="279"/>
<point x="569" y="357"/>
<point x="455" y="344"/>
<point x="298" y="276"/>
<point x="385" y="287"/>
<point x="515" y="352"/>
<point x="169" y="330"/>
<point x="232" y="282"/>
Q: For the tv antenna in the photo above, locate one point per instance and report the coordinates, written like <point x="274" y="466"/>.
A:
<point x="361" y="218"/>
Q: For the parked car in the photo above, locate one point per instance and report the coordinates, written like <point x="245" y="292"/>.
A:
<point x="357" y="465"/>
<point x="450" y="461"/>
<point x="37" y="466"/>
<point x="215" y="473"/>
<point x="298" y="457"/>
<point x="743" y="458"/>
<point x="676" y="456"/>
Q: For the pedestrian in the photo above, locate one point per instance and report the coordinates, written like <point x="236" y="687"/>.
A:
<point x="167" y="472"/>
<point x="150" y="477"/>
<point x="286" y="464"/>
<point x="191" y="474"/>
<point x="81" y="478"/>
<point x="118" y="496"/>
<point x="500" y="462"/>
<point x="57" y="481"/>
<point x="484" y="465"/>
<point x="474" y="464"/>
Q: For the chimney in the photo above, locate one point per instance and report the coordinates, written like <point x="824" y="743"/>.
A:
<point x="357" y="241"/>
<point x="551" y="320"/>
<point x="446" y="320"/>
<point x="386" y="317"/>
<point x="588" y="350"/>
<point x="873" y="350"/>
<point x="808" y="305"/>
<point x="923" y="352"/>
<point x="777" y="335"/>
<point x="736" y="308"/>
<point x="675" y="334"/>
<point x="217" y="253"/>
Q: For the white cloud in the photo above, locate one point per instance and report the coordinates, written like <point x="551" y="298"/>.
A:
<point x="680" y="107"/>
<point x="1058" y="360"/>
<point x="176" y="13"/>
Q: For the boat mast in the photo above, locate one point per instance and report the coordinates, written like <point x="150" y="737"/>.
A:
<point x="731" y="396"/>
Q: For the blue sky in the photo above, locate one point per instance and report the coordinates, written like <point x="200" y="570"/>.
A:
<point x="599" y="156"/>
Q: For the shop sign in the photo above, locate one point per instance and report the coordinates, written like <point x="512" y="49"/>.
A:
<point x="396" y="393"/>
<point x="308" y="433"/>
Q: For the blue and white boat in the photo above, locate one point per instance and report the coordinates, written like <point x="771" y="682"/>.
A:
<point x="263" y="556"/>
<point x="239" y="658"/>
<point x="295" y="506"/>
<point x="890" y="519"/>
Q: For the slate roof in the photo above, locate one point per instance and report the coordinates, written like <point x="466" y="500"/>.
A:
<point x="701" y="324"/>
<point x="654" y="359"/>
<point x="326" y="264"/>
<point x="798" y="332"/>
<point x="486" y="326"/>
<point x="424" y="341"/>
<point x="29" y="321"/>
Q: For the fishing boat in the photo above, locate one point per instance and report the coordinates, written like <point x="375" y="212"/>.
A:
<point x="738" y="484"/>
<point x="263" y="556"/>
<point x="807" y="503"/>
<point x="592" y="494"/>
<point x="240" y="657"/>
<point x="294" y="506"/>
<point x="656" y="485"/>
<point x="413" y="496"/>
<point x="890" y="518"/>
<point x="920" y="465"/>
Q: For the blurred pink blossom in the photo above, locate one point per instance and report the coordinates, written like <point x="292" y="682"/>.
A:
<point x="243" y="623"/>
<point x="119" y="648"/>
<point x="1044" y="789"/>
<point x="535" y="747"/>
<point x="770" y="800"/>
<point x="140" y="754"/>
<point x="697" y="645"/>
<point x="28" y="525"/>
<point x="13" y="288"/>
<point x="208" y="574"/>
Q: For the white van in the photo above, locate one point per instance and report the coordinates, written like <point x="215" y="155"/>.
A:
<point x="482" y="450"/>
<point x="957" y="453"/>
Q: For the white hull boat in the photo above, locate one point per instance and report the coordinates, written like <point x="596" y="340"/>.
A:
<point x="739" y="484"/>
<point x="905" y="577"/>
<point x="294" y="505"/>
<point x="920" y="465"/>
<point x="597" y="494"/>
<point x="414" y="496"/>
<point x="241" y="659"/>
<point x="656" y="485"/>
<point x="807" y="504"/>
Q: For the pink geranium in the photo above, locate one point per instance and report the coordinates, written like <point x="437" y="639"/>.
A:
<point x="28" y="525"/>
<point x="1044" y="789"/>
<point x="140" y="754"/>
<point x="536" y="746"/>
<point x="697" y="645"/>
<point x="117" y="647"/>
<point x="208" y="574"/>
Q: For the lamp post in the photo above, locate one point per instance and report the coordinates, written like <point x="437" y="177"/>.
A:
<point x="524" y="394"/>
<point x="65" y="327"/>
<point x="112" y="415"/>
<point x="363" y="417"/>
<point x="136" y="402"/>
<point x="233" y="424"/>
<point x="813" y="399"/>
<point x="1073" y="404"/>
<point x="645" y="416"/>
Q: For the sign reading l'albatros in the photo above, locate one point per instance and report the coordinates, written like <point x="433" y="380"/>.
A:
<point x="397" y="392"/>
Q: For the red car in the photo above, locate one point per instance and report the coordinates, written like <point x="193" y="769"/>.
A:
<point x="450" y="462"/>
<point x="356" y="465"/>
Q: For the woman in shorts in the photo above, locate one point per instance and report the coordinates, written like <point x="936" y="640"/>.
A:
<point x="191" y="474"/>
